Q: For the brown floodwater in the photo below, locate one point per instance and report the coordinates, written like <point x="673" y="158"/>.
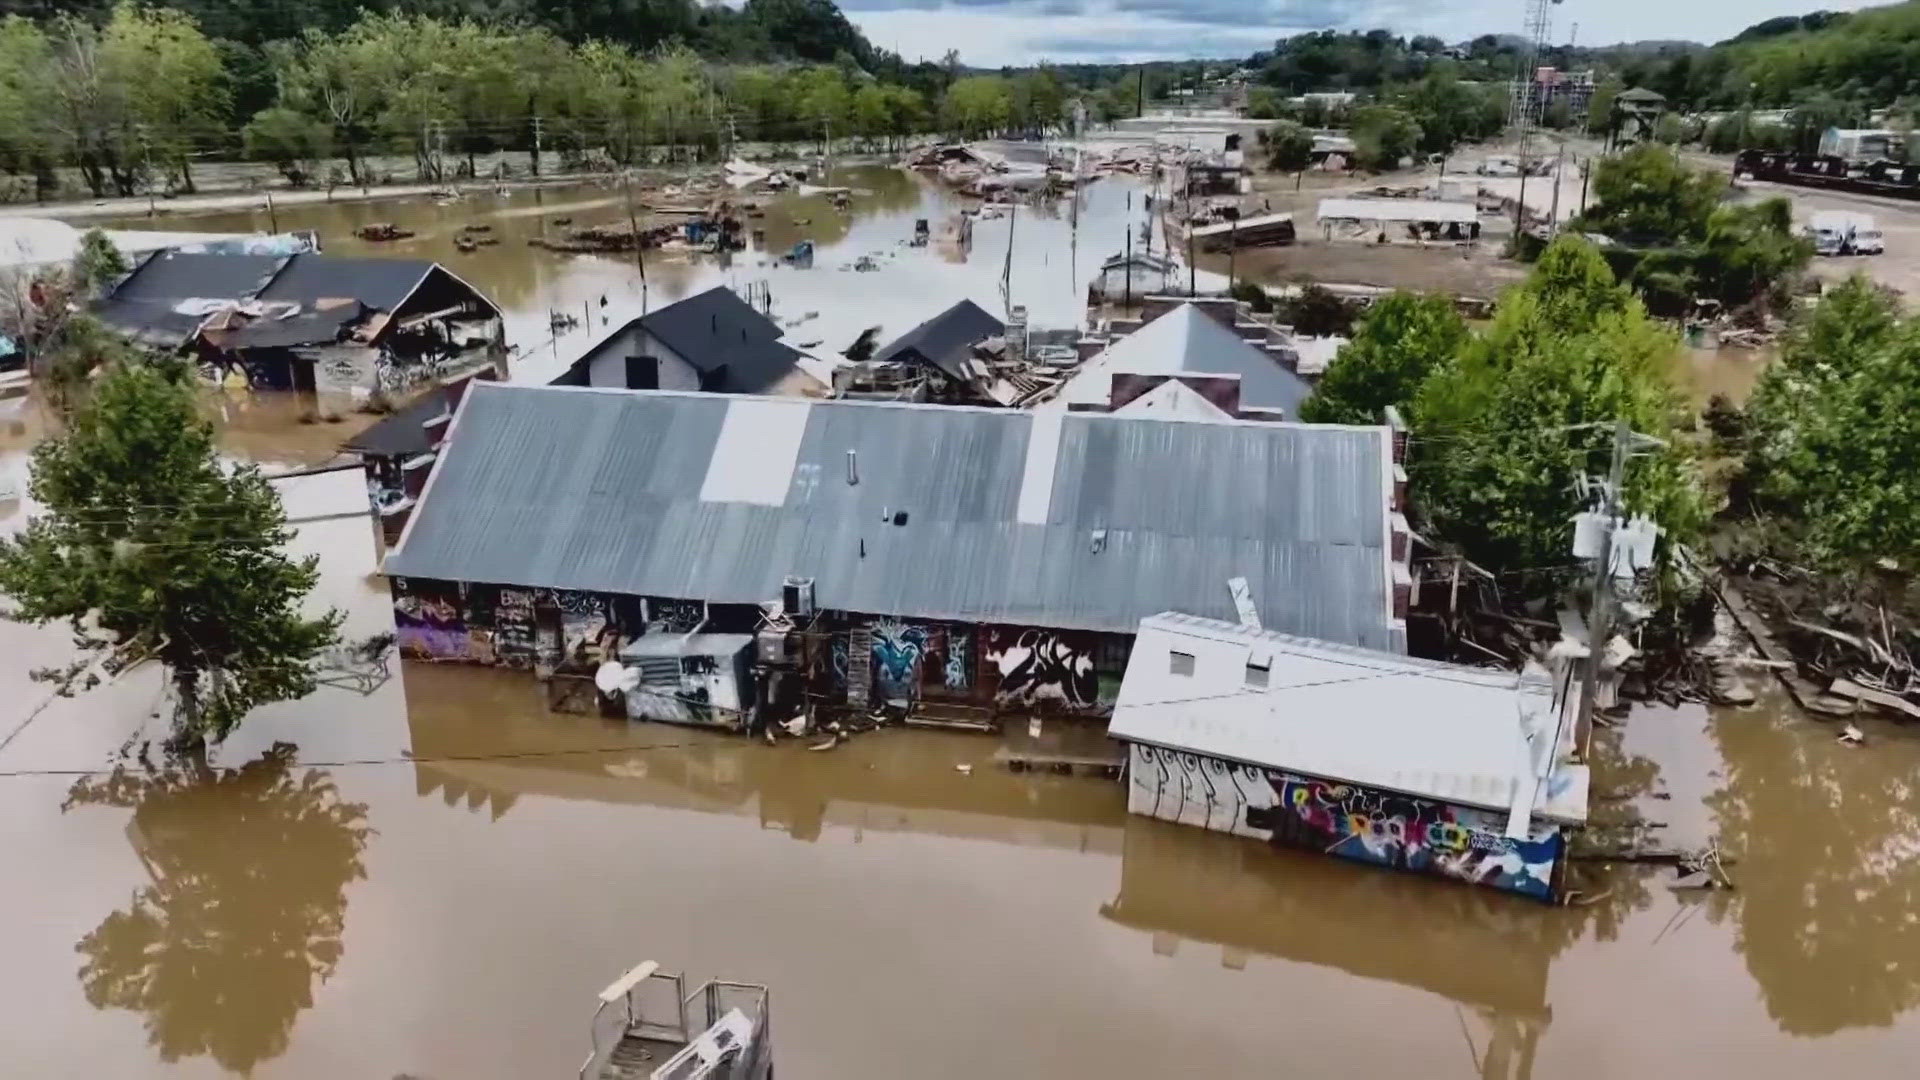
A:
<point x="829" y="304"/>
<point x="436" y="877"/>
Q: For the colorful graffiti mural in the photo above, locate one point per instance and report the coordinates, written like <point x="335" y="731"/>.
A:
<point x="899" y="650"/>
<point x="1043" y="668"/>
<point x="957" y="671"/>
<point x="1358" y="823"/>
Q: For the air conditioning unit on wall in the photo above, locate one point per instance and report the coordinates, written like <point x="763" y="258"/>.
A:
<point x="796" y="596"/>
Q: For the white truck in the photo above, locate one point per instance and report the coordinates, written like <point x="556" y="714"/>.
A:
<point x="1845" y="232"/>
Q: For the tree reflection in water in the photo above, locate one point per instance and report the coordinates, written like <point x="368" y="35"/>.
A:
<point x="249" y="870"/>
<point x="1827" y="839"/>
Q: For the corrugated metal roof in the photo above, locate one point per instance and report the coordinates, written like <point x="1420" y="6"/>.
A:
<point x="1463" y="735"/>
<point x="579" y="488"/>
<point x="1189" y="340"/>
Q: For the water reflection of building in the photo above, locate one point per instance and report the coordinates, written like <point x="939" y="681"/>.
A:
<point x="1487" y="953"/>
<point x="485" y="739"/>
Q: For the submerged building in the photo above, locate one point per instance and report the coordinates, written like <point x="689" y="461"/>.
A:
<point x="1419" y="765"/>
<point x="948" y="559"/>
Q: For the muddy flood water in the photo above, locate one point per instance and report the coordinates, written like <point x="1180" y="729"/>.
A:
<point x="436" y="877"/>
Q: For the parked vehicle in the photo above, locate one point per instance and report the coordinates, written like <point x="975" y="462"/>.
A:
<point x="1844" y="232"/>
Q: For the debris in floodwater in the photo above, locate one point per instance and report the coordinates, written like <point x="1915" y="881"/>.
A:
<point x="1852" y="736"/>
<point x="963" y="770"/>
<point x="832" y="741"/>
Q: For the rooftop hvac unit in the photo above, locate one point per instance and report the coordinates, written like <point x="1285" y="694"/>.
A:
<point x="796" y="596"/>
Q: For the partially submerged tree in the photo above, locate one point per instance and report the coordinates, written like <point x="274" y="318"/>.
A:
<point x="1503" y="433"/>
<point x="1834" y="429"/>
<point x="1383" y="136"/>
<point x="1289" y="149"/>
<point x="150" y="547"/>
<point x="1400" y="342"/>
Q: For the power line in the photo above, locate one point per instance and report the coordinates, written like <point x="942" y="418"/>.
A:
<point x="409" y="759"/>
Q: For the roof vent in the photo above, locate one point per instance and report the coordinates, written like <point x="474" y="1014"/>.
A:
<point x="1099" y="538"/>
<point x="853" y="467"/>
<point x="899" y="517"/>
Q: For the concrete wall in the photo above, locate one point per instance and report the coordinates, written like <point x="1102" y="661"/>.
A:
<point x="1367" y="825"/>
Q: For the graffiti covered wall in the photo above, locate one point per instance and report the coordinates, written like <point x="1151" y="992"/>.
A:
<point x="1387" y="829"/>
<point x="1043" y="669"/>
<point x="555" y="629"/>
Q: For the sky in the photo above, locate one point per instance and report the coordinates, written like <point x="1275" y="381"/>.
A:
<point x="990" y="33"/>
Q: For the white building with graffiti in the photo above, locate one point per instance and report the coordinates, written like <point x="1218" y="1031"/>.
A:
<point x="1464" y="772"/>
<point x="934" y="559"/>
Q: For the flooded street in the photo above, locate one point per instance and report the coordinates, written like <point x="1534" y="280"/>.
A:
<point x="436" y="877"/>
<point x="912" y="284"/>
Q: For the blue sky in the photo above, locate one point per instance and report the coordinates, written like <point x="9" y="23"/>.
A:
<point x="994" y="32"/>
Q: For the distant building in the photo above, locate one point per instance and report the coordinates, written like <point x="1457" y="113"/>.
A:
<point x="934" y="361"/>
<point x="1445" y="769"/>
<point x="941" y="558"/>
<point x="1191" y="361"/>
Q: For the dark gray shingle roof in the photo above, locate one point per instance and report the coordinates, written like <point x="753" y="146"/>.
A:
<point x="703" y="496"/>
<point x="380" y="284"/>
<point x="735" y="347"/>
<point x="945" y="339"/>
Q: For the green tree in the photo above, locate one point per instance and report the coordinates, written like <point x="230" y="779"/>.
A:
<point x="172" y="81"/>
<point x="977" y="105"/>
<point x="98" y="263"/>
<point x="1400" y="342"/>
<point x="1384" y="136"/>
<point x="28" y="140"/>
<point x="1289" y="149"/>
<point x="872" y="112"/>
<point x="1644" y="195"/>
<point x="292" y="141"/>
<point x="1600" y="107"/>
<point x="1835" y="431"/>
<point x="151" y="547"/>
<point x="1529" y="406"/>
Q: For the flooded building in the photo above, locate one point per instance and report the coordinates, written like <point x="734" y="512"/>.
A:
<point x="1193" y="359"/>
<point x="1414" y="764"/>
<point x="935" y="361"/>
<point x="950" y="561"/>
<point x="712" y="341"/>
<point x="360" y="326"/>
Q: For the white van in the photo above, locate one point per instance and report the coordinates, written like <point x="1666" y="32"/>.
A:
<point x="1843" y="232"/>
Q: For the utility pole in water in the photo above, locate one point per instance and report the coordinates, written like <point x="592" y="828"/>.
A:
<point x="639" y="253"/>
<point x="1602" y="587"/>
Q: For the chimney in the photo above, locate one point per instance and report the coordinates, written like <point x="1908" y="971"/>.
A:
<point x="1398" y="425"/>
<point x="414" y="472"/>
<point x="1088" y="347"/>
<point x="437" y="429"/>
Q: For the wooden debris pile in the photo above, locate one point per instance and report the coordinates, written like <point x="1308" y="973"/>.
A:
<point x="1855" y="648"/>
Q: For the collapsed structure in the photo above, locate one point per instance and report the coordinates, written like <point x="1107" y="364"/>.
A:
<point x="363" y="326"/>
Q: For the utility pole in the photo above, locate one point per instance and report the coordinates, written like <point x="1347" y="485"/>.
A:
<point x="1559" y="166"/>
<point x="1140" y="94"/>
<point x="1006" y="274"/>
<point x="633" y="223"/>
<point x="146" y="159"/>
<point x="1602" y="587"/>
<point x="1233" y="255"/>
<point x="273" y="218"/>
<point x="1586" y="172"/>
<point x="1127" y="303"/>
<point x="536" y="144"/>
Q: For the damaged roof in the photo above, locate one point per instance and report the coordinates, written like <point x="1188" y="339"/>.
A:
<point x="1081" y="521"/>
<point x="946" y="340"/>
<point x="1188" y="340"/>
<point x="169" y="295"/>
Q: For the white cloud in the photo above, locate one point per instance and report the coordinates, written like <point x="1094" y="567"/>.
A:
<point x="991" y="33"/>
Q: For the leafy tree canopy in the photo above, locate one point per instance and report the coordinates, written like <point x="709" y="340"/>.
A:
<point x="1400" y="342"/>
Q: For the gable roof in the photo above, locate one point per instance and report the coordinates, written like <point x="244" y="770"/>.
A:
<point x="381" y="284"/>
<point x="1076" y="521"/>
<point x="402" y="433"/>
<point x="169" y="295"/>
<point x="735" y="348"/>
<point x="1463" y="735"/>
<point x="945" y="339"/>
<point x="1188" y="340"/>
